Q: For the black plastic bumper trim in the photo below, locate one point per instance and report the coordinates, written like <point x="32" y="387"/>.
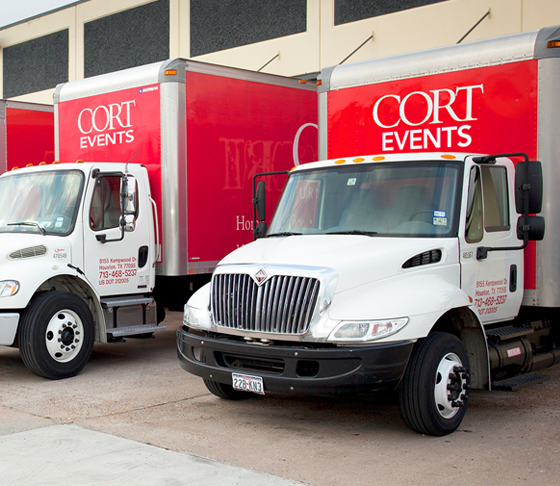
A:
<point x="334" y="369"/>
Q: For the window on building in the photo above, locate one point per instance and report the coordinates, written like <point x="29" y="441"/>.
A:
<point x="127" y="39"/>
<point x="35" y="65"/>
<point x="216" y="26"/>
<point x="351" y="10"/>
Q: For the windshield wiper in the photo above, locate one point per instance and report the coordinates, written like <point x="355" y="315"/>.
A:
<point x="353" y="232"/>
<point x="29" y="223"/>
<point x="285" y="233"/>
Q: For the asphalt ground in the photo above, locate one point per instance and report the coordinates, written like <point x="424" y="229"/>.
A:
<point x="134" y="417"/>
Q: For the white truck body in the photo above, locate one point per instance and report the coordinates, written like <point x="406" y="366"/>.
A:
<point x="406" y="268"/>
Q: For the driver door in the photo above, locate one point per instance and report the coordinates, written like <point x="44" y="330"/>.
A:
<point x="116" y="262"/>
<point x="494" y="283"/>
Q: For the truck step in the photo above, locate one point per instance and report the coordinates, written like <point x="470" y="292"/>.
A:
<point x="509" y="332"/>
<point x="131" y="330"/>
<point x="111" y="302"/>
<point x="517" y="382"/>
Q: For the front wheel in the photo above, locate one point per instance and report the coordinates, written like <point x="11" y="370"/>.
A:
<point x="434" y="391"/>
<point x="56" y="335"/>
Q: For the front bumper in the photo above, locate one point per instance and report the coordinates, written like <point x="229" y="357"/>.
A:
<point x="8" y="327"/>
<point x="295" y="369"/>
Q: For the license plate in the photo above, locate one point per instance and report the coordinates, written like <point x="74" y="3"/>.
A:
<point x="248" y="383"/>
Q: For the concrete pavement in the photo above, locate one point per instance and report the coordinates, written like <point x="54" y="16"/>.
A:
<point x="57" y="455"/>
<point x="134" y="410"/>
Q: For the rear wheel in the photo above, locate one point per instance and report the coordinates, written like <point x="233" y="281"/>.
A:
<point x="225" y="391"/>
<point x="56" y="335"/>
<point x="434" y="392"/>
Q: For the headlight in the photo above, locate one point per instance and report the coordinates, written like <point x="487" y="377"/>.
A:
<point x="196" y="318"/>
<point x="8" y="288"/>
<point x="364" y="331"/>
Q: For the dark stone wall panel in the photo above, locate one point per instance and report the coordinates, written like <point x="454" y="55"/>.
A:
<point x="35" y="65"/>
<point x="127" y="39"/>
<point x="225" y="24"/>
<point x="351" y="10"/>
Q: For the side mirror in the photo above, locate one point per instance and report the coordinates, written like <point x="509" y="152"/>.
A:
<point x="129" y="222"/>
<point x="260" y="201"/>
<point x="260" y="231"/>
<point x="533" y="226"/>
<point x="128" y="195"/>
<point x="528" y="184"/>
<point x="259" y="210"/>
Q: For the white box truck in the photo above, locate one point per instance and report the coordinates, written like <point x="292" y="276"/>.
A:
<point x="413" y="258"/>
<point x="153" y="182"/>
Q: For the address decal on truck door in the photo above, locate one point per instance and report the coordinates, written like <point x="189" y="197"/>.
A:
<point x="113" y="271"/>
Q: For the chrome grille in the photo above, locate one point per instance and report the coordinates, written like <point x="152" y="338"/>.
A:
<point x="30" y="252"/>
<point x="283" y="304"/>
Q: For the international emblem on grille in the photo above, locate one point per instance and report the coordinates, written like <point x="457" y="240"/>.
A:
<point x="261" y="276"/>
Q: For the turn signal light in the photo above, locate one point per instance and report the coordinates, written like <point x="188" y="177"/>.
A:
<point x="552" y="44"/>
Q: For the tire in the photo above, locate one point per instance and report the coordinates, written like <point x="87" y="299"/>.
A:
<point x="434" y="391"/>
<point x="56" y="335"/>
<point x="227" y="392"/>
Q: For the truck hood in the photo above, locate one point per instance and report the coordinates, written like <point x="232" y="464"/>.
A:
<point x="357" y="259"/>
<point x="15" y="247"/>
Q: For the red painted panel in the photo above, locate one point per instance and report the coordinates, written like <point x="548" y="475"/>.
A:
<point x="484" y="110"/>
<point x="29" y="137"/>
<point x="236" y="129"/>
<point x="114" y="127"/>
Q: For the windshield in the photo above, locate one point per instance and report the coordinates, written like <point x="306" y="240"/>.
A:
<point x="40" y="202"/>
<point x="398" y="199"/>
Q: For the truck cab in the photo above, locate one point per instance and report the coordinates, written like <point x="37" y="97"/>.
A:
<point x="79" y="248"/>
<point x="376" y="272"/>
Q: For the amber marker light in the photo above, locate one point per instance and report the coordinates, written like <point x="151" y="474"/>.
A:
<point x="29" y="165"/>
<point x="319" y="82"/>
<point x="553" y="44"/>
<point x="42" y="163"/>
<point x="170" y="72"/>
<point x="448" y="156"/>
<point x="340" y="161"/>
<point x="358" y="160"/>
<point x="80" y="161"/>
<point x="56" y="162"/>
<point x="378" y="159"/>
<point x="303" y="81"/>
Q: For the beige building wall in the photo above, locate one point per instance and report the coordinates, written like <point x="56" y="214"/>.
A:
<point x="323" y="44"/>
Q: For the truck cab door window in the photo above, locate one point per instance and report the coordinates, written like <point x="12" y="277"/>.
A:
<point x="474" y="227"/>
<point x="495" y="195"/>
<point x="105" y="209"/>
<point x="487" y="205"/>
